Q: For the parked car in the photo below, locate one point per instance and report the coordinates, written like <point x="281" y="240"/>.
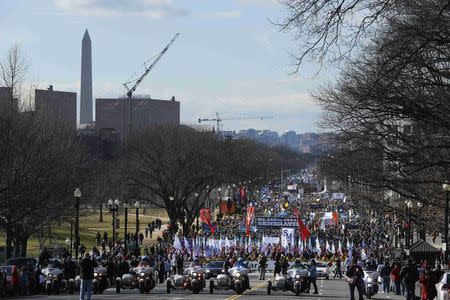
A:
<point x="443" y="287"/>
<point x="11" y="274"/>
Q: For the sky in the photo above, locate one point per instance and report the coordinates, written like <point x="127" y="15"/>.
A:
<point x="229" y="57"/>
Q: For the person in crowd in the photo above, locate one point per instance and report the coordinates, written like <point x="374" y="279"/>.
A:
<point x="24" y="282"/>
<point x="385" y="273"/>
<point x="410" y="274"/>
<point x="337" y="269"/>
<point x="312" y="276"/>
<point x="87" y="274"/>
<point x="98" y="238"/>
<point x="262" y="264"/>
<point x="395" y="276"/>
<point x="277" y="268"/>
<point x="355" y="275"/>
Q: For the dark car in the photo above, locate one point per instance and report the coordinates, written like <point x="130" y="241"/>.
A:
<point x="214" y="268"/>
<point x="28" y="262"/>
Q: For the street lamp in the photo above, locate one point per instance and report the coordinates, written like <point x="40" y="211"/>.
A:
<point x="137" y="205"/>
<point x="113" y="208"/>
<point x="126" y="205"/>
<point x="77" y="196"/>
<point x="446" y="188"/>
<point x="409" y="206"/>
<point x="198" y="212"/>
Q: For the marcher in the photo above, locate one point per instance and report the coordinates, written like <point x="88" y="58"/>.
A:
<point x="87" y="274"/>
<point x="262" y="266"/>
<point x="337" y="270"/>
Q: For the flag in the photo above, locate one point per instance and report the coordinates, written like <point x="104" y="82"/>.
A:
<point x="300" y="246"/>
<point x="304" y="232"/>
<point x="177" y="244"/>
<point x="227" y="243"/>
<point x="310" y="244"/>
<point x="318" y="246"/>
<point x="335" y="217"/>
<point x="186" y="245"/>
<point x="327" y="246"/>
<point x="333" y="249"/>
<point x="248" y="218"/>
<point x="205" y="216"/>
<point x="340" y="247"/>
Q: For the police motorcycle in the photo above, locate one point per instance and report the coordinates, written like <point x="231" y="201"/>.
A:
<point x="193" y="279"/>
<point x="101" y="280"/>
<point x="128" y="281"/>
<point x="54" y="278"/>
<point x="70" y="274"/>
<point x="237" y="279"/>
<point x="295" y="281"/>
<point x="370" y="283"/>
<point x="145" y="276"/>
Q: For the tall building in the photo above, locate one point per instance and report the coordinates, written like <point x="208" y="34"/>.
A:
<point x="144" y="112"/>
<point x="86" y="115"/>
<point x="57" y="105"/>
<point x="291" y="139"/>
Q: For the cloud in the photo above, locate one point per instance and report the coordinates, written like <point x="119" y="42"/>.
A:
<point x="154" y="9"/>
<point x="228" y="14"/>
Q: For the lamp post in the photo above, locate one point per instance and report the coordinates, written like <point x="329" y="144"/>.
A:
<point x="197" y="211"/>
<point x="420" y="205"/>
<point x="446" y="188"/>
<point x="77" y="196"/>
<point x="220" y="201"/>
<point x="409" y="206"/>
<point x="113" y="208"/>
<point x="126" y="205"/>
<point x="137" y="205"/>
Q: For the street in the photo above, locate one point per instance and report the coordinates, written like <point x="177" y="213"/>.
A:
<point x="333" y="289"/>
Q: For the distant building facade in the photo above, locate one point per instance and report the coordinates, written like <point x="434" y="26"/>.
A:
<point x="57" y="105"/>
<point x="144" y="112"/>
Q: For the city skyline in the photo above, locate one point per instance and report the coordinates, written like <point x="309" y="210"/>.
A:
<point x="228" y="59"/>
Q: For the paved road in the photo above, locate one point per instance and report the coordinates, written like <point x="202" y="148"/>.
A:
<point x="332" y="289"/>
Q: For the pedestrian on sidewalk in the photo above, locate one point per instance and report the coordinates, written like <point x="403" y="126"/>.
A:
<point x="385" y="273"/>
<point x="87" y="275"/>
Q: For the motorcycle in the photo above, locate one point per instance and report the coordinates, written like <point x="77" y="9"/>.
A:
<point x="100" y="281"/>
<point x="54" y="280"/>
<point x="295" y="281"/>
<point x="145" y="278"/>
<point x="370" y="283"/>
<point x="236" y="279"/>
<point x="127" y="281"/>
<point x="193" y="279"/>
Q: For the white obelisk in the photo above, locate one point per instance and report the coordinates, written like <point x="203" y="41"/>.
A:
<point x="86" y="115"/>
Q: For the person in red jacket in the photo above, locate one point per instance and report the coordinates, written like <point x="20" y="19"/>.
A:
<point x="395" y="276"/>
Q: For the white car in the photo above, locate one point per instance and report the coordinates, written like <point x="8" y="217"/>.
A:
<point x="323" y="270"/>
<point x="443" y="287"/>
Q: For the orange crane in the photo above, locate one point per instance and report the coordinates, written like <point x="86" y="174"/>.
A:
<point x="219" y="120"/>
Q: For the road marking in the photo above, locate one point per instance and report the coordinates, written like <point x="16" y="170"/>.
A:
<point x="234" y="297"/>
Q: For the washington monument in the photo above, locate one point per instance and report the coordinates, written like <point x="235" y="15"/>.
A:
<point x="86" y="115"/>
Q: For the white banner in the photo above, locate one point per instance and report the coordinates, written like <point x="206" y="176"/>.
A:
<point x="338" y="196"/>
<point x="287" y="236"/>
<point x="271" y="240"/>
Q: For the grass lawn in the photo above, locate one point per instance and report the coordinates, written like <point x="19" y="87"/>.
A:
<point x="90" y="225"/>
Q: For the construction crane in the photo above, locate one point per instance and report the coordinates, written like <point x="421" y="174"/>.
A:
<point x="131" y="90"/>
<point x="219" y="120"/>
<point x="136" y="82"/>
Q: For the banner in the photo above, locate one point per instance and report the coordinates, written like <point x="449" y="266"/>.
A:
<point x="287" y="237"/>
<point x="248" y="218"/>
<point x="275" y="222"/>
<point x="338" y="196"/>
<point x="205" y="216"/>
<point x="304" y="231"/>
